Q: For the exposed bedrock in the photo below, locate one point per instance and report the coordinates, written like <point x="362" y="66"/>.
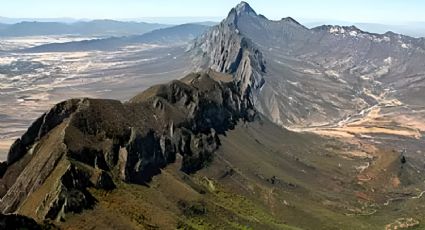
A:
<point x="83" y="143"/>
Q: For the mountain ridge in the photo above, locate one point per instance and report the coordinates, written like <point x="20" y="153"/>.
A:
<point x="90" y="137"/>
<point x="288" y="41"/>
<point x="104" y="27"/>
<point x="176" y="34"/>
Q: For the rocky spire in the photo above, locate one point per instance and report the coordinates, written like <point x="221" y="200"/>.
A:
<point x="244" y="8"/>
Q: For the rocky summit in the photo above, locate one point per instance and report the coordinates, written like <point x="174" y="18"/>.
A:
<point x="278" y="126"/>
<point x="313" y="77"/>
<point x="84" y="143"/>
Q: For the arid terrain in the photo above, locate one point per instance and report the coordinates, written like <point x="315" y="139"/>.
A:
<point x="31" y="83"/>
<point x="249" y="124"/>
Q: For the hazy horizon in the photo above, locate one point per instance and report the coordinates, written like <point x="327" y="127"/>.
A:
<point x="360" y="11"/>
<point x="376" y="17"/>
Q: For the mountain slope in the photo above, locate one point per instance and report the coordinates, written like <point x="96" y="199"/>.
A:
<point x="317" y="76"/>
<point x="195" y="154"/>
<point x="260" y="176"/>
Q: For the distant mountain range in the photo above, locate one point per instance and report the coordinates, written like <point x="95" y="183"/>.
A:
<point x="3" y="26"/>
<point x="158" y="20"/>
<point x="137" y="25"/>
<point x="90" y="28"/>
<point x="7" y="20"/>
<point x="176" y="34"/>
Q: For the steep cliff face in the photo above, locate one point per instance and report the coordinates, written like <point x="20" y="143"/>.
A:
<point x="85" y="143"/>
<point x="224" y="49"/>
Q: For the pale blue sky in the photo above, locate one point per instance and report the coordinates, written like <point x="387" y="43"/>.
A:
<point x="378" y="11"/>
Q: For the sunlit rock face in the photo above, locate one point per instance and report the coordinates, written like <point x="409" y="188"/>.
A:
<point x="302" y="77"/>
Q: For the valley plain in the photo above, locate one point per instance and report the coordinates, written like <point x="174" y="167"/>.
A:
<point x="32" y="82"/>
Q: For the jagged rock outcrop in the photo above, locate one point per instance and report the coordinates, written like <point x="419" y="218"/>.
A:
<point x="224" y="49"/>
<point x="39" y="128"/>
<point x="83" y="143"/>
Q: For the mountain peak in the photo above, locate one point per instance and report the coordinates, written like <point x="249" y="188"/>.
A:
<point x="291" y="20"/>
<point x="244" y="7"/>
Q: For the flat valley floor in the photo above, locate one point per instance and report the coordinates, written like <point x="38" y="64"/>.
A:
<point x="30" y="83"/>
